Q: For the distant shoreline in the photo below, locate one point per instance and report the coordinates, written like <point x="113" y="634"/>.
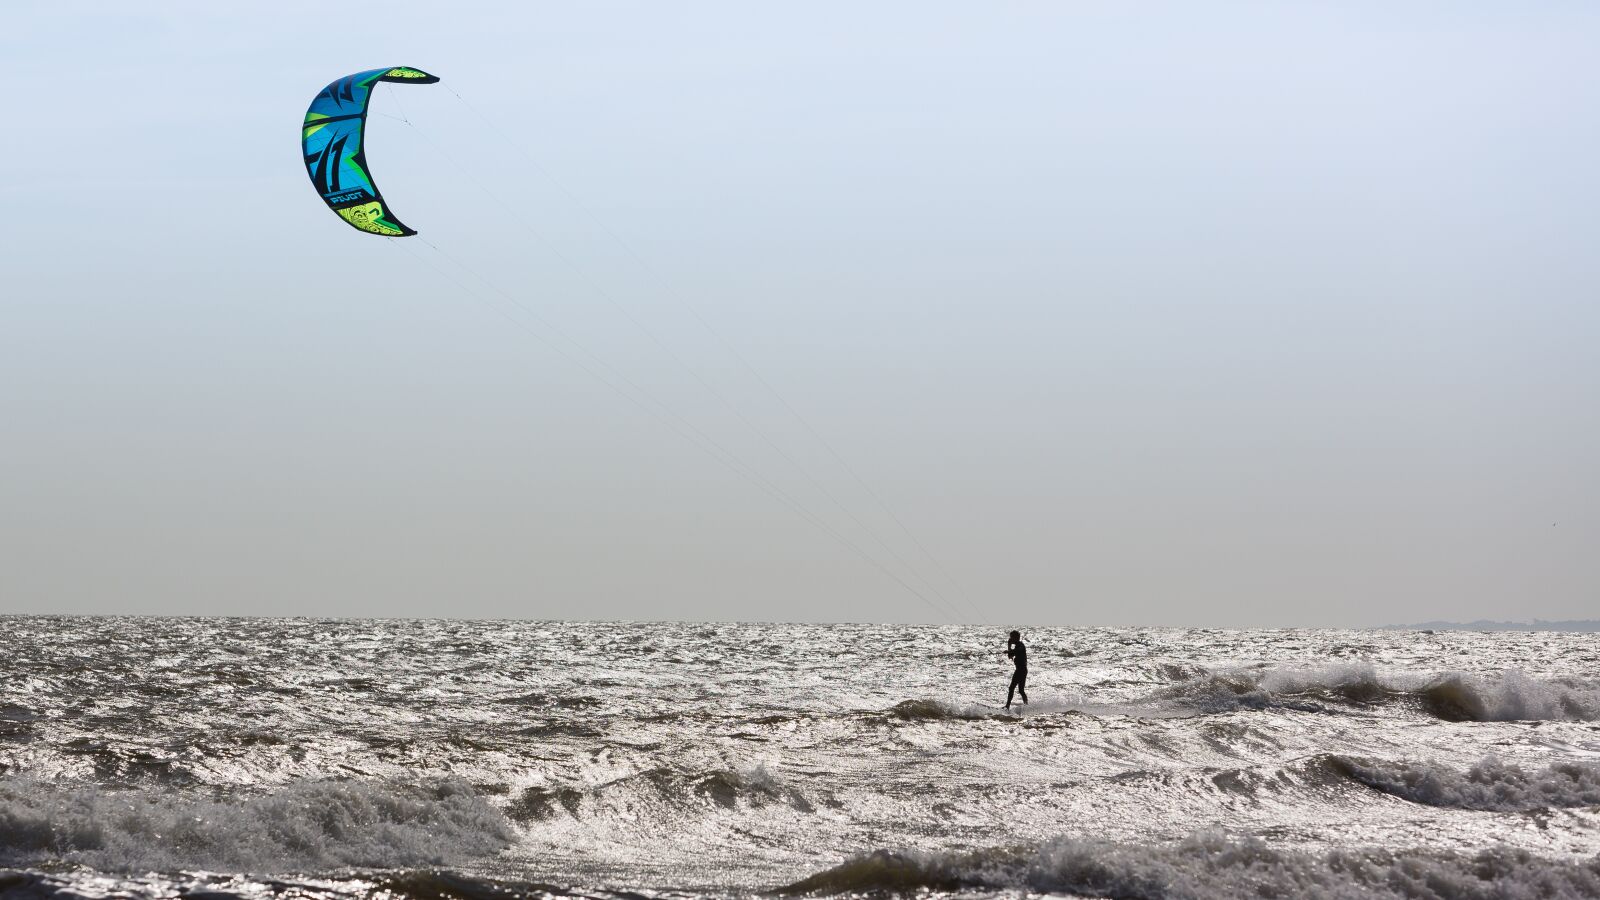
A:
<point x="1487" y="625"/>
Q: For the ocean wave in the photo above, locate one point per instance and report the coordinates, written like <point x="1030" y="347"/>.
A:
<point x="1511" y="696"/>
<point x="89" y="885"/>
<point x="1490" y="785"/>
<point x="678" y="789"/>
<point x="436" y="885"/>
<point x="1451" y="696"/>
<point x="304" y="827"/>
<point x="116" y="761"/>
<point x="919" y="709"/>
<point x="413" y="884"/>
<point x="1168" y="670"/>
<point x="421" y="884"/>
<point x="1213" y="866"/>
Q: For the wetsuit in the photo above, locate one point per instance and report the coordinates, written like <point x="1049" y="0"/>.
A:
<point x="1019" y="679"/>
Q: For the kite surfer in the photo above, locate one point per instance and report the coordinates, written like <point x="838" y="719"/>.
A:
<point x="1018" y="652"/>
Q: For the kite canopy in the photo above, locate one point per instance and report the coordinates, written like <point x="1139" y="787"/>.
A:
<point x="335" y="126"/>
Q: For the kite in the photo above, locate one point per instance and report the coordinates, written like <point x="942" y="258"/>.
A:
<point x="331" y="139"/>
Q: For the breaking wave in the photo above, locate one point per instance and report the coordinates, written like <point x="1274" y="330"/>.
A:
<point x="937" y="709"/>
<point x="1214" y="866"/>
<point x="678" y="789"/>
<point x="1451" y="696"/>
<point x="413" y="884"/>
<point x="303" y="827"/>
<point x="1489" y="785"/>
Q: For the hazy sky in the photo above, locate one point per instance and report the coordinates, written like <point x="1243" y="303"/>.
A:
<point x="1192" y="313"/>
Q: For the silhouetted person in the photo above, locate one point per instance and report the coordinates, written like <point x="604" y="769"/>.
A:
<point x="1018" y="651"/>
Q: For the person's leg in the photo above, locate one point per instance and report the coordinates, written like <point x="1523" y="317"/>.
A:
<point x="1012" y="690"/>
<point x="1022" y="685"/>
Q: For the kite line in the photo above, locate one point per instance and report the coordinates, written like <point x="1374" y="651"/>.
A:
<point x="654" y="274"/>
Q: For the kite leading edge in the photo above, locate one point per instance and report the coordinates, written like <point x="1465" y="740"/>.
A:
<point x="331" y="138"/>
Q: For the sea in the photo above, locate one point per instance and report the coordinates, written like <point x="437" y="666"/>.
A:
<point x="332" y="758"/>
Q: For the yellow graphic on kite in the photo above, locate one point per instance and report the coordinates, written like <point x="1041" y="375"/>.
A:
<point x="369" y="218"/>
<point x="331" y="138"/>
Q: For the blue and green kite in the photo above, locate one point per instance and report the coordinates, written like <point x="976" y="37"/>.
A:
<point x="331" y="137"/>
